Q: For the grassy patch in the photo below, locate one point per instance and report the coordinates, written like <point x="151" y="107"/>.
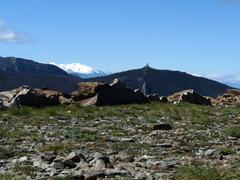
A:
<point x="10" y="177"/>
<point x="233" y="131"/>
<point x="5" y="153"/>
<point x="226" y="151"/>
<point x="197" y="173"/>
<point x="23" y="111"/>
<point x="82" y="135"/>
<point x="25" y="170"/>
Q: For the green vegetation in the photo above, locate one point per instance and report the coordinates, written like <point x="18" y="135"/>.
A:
<point x="206" y="172"/>
<point x="111" y="129"/>
<point x="197" y="173"/>
<point x="25" y="170"/>
<point x="82" y="135"/>
<point x="226" y="151"/>
<point x="233" y="131"/>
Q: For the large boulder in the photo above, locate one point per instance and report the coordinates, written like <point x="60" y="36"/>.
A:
<point x="33" y="97"/>
<point x="114" y="94"/>
<point x="86" y="90"/>
<point x="190" y="96"/>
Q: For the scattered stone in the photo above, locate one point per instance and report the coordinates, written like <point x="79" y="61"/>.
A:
<point x="23" y="159"/>
<point x="123" y="156"/>
<point x="74" y="157"/>
<point x="68" y="163"/>
<point x="57" y="164"/>
<point x="40" y="164"/>
<point x="100" y="164"/>
<point x="140" y="176"/>
<point x="49" y="157"/>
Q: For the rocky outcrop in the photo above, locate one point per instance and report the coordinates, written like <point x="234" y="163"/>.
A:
<point x="232" y="96"/>
<point x="25" y="96"/>
<point x="113" y="94"/>
<point x="190" y="96"/>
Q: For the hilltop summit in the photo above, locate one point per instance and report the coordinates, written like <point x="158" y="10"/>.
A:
<point x="165" y="82"/>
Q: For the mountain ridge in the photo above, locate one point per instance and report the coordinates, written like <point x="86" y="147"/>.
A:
<point x="165" y="82"/>
<point x="15" y="72"/>
<point x="27" y="66"/>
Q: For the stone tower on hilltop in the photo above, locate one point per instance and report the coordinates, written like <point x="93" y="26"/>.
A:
<point x="146" y="88"/>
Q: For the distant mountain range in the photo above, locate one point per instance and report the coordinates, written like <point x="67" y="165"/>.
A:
<point x="15" y="72"/>
<point x="165" y="82"/>
<point x="80" y="70"/>
<point x="235" y="85"/>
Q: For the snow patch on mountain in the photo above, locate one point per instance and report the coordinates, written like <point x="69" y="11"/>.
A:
<point x="81" y="70"/>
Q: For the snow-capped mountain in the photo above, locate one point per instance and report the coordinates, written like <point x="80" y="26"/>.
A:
<point x="81" y="70"/>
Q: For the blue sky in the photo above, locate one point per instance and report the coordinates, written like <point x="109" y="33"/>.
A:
<point x="196" y="36"/>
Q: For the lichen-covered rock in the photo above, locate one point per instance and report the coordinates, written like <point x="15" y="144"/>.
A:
<point x="232" y="96"/>
<point x="190" y="96"/>
<point x="25" y="96"/>
<point x="86" y="90"/>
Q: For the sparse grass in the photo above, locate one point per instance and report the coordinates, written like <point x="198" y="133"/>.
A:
<point x="119" y="146"/>
<point x="233" y="131"/>
<point x="197" y="173"/>
<point x="25" y="170"/>
<point x="97" y="128"/>
<point x="206" y="172"/>
<point x="23" y="111"/>
<point x="10" y="177"/>
<point x="58" y="147"/>
<point x="82" y="135"/>
<point x="206" y="121"/>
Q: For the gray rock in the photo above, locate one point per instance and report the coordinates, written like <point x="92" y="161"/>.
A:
<point x="100" y="164"/>
<point x="74" y="157"/>
<point x="40" y="164"/>
<point x="169" y="163"/>
<point x="140" y="176"/>
<point x="57" y="164"/>
<point x="49" y="157"/>
<point x="209" y="152"/>
<point x="122" y="156"/>
<point x="22" y="159"/>
<point x="114" y="172"/>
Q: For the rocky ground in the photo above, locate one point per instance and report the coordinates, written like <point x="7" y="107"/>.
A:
<point x="148" y="141"/>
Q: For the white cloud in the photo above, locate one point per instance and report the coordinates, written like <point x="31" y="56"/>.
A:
<point x="230" y="78"/>
<point x="8" y="35"/>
